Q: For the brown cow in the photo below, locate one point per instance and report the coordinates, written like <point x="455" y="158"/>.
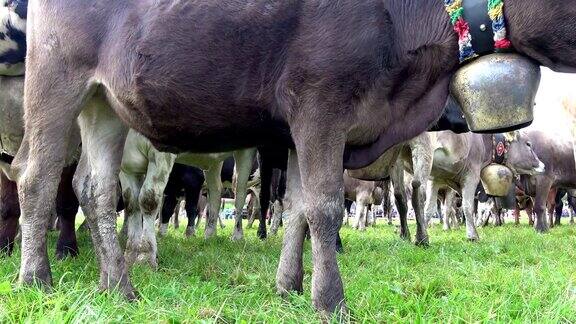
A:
<point x="557" y="153"/>
<point x="334" y="78"/>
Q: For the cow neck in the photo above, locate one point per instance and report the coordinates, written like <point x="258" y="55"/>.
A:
<point x="480" y="25"/>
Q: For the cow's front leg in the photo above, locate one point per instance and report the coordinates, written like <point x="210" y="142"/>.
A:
<point x="543" y="186"/>
<point x="422" y="155"/>
<point x="9" y="214"/>
<point x="320" y="157"/>
<point x="96" y="184"/>
<point x="244" y="160"/>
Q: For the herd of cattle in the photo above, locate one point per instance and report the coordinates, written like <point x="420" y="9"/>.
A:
<point x="335" y="96"/>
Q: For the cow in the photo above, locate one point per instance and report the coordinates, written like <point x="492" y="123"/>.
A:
<point x="339" y="82"/>
<point x="557" y="152"/>
<point x="459" y="158"/>
<point x="365" y="194"/>
<point x="144" y="174"/>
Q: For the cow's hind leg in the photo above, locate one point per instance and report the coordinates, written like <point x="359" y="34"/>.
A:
<point x="468" y="193"/>
<point x="214" y="185"/>
<point x="67" y="207"/>
<point x="55" y="93"/>
<point x="95" y="182"/>
<point x="192" y="197"/>
<point x="150" y="199"/>
<point x="243" y="166"/>
<point x="169" y="208"/>
<point x="290" y="269"/>
<point x="9" y="214"/>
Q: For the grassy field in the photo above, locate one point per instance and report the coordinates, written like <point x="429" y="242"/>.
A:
<point x="512" y="274"/>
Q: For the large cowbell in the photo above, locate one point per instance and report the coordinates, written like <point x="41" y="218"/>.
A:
<point x="497" y="91"/>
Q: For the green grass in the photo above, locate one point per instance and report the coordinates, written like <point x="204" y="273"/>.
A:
<point x="512" y="274"/>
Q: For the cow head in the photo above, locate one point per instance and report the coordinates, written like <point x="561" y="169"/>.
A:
<point x="521" y="158"/>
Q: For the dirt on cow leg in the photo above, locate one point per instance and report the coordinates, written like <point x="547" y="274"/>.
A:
<point x="290" y="271"/>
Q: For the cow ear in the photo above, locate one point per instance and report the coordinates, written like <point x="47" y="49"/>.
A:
<point x="511" y="136"/>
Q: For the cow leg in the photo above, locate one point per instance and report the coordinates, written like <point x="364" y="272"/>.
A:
<point x="320" y="151"/>
<point x="448" y="202"/>
<point x="265" y="192"/>
<point x="387" y="202"/>
<point x="516" y="216"/>
<point x="144" y="249"/>
<point x="67" y="207"/>
<point x="542" y="189"/>
<point x="361" y="211"/>
<point x="397" y="177"/>
<point x="431" y="207"/>
<point x="192" y="197"/>
<point x="242" y="168"/>
<point x="290" y="269"/>
<point x="168" y="207"/>
<point x="550" y="206"/>
<point x="9" y="214"/>
<point x="214" y="185"/>
<point x="131" y="187"/>
<point x="96" y="184"/>
<point x="176" y="219"/>
<point x="277" y="211"/>
<point x="53" y="100"/>
<point x="468" y="194"/>
<point x="571" y="217"/>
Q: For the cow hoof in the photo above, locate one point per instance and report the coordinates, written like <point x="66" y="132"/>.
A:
<point x="190" y="232"/>
<point x="122" y="285"/>
<point x="237" y="235"/>
<point x="422" y="242"/>
<point x="261" y="234"/>
<point x="209" y="232"/>
<point x="40" y="276"/>
<point x="541" y="229"/>
<point x="163" y="230"/>
<point x="473" y="239"/>
<point x="65" y="250"/>
<point x="6" y="247"/>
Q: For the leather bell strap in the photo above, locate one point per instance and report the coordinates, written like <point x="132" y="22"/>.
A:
<point x="480" y="25"/>
<point x="499" y="149"/>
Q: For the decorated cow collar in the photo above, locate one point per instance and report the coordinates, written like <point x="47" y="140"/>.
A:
<point x="480" y="25"/>
<point x="499" y="149"/>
